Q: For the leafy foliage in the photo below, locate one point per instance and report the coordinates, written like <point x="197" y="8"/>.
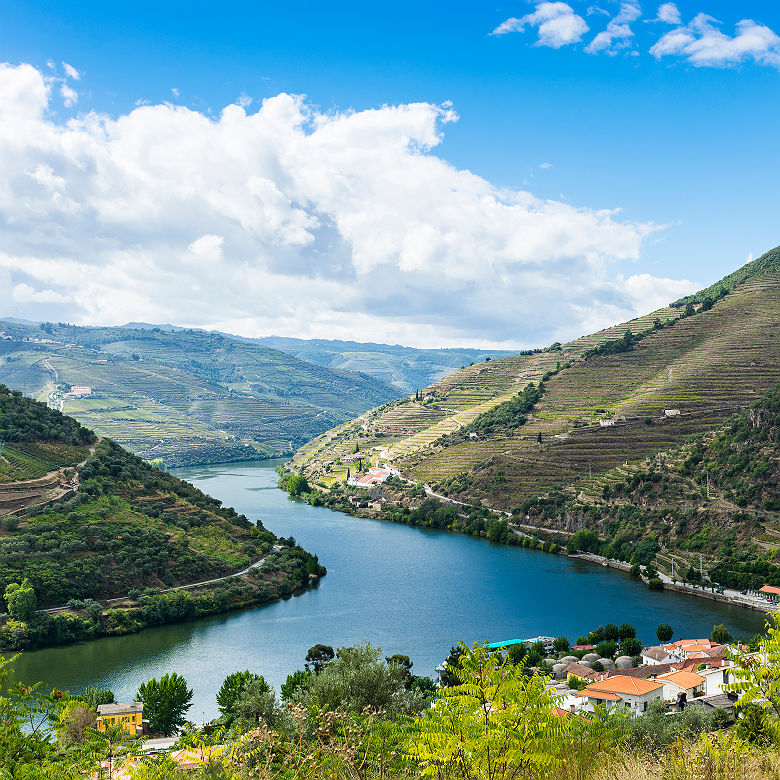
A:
<point x="497" y="723"/>
<point x="165" y="702"/>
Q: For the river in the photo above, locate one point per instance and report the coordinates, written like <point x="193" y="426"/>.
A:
<point x="407" y="590"/>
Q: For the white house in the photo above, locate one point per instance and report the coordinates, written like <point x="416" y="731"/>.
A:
<point x="375" y="476"/>
<point x="652" y="656"/>
<point x="672" y="412"/>
<point x="676" y="683"/>
<point x="631" y="693"/>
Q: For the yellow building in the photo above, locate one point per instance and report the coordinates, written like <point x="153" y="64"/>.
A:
<point x="128" y="715"/>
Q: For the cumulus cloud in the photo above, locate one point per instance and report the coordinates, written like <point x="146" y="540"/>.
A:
<point x="557" y="24"/>
<point x="23" y="293"/>
<point x="618" y="33"/>
<point x="668" y="13"/>
<point x="293" y="221"/>
<point x="703" y="44"/>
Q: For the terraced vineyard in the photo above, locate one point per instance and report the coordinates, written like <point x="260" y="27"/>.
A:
<point x="188" y="397"/>
<point x="600" y="413"/>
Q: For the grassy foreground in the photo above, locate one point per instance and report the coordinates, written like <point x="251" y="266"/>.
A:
<point x="361" y="716"/>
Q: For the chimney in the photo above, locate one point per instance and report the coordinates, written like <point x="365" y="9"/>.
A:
<point x="573" y="708"/>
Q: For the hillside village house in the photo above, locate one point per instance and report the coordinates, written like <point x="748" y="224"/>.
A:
<point x="632" y="693"/>
<point x="78" y="391"/>
<point x="375" y="476"/>
<point x="676" y="683"/>
<point x="128" y="715"/>
<point x="653" y="656"/>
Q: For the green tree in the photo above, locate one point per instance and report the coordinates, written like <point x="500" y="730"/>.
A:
<point x="165" y="702"/>
<point x="756" y="676"/>
<point x="358" y="678"/>
<point x="720" y="635"/>
<point x="318" y="657"/>
<point x="561" y="644"/>
<point x="297" y="681"/>
<point x="631" y="646"/>
<point x="664" y="632"/>
<point x="627" y="631"/>
<point x="21" y="600"/>
<point x="256" y="702"/>
<point x="297" y="485"/>
<point x="497" y="723"/>
<point x="230" y="691"/>
<point x="76" y="722"/>
<point x="612" y="632"/>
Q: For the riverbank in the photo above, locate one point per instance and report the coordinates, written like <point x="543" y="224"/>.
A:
<point x="284" y="572"/>
<point x="399" y="501"/>
<point x="410" y="590"/>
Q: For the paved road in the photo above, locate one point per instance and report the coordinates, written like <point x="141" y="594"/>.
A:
<point x="249" y="568"/>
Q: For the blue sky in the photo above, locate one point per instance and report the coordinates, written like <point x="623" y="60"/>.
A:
<point x="677" y="133"/>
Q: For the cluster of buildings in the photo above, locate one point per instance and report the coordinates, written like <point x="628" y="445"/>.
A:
<point x="687" y="672"/>
<point x="374" y="477"/>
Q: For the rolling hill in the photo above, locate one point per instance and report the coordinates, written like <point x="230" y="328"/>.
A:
<point x="404" y="368"/>
<point x="184" y="396"/>
<point x="603" y="407"/>
<point x="82" y="519"/>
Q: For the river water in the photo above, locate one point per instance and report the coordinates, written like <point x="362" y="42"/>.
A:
<point x="407" y="590"/>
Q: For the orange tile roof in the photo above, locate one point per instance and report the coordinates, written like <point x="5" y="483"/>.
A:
<point x="591" y="694"/>
<point x="625" y="684"/>
<point x="683" y="679"/>
<point x="768" y="589"/>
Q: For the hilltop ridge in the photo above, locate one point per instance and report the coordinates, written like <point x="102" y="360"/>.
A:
<point x="560" y="425"/>
<point x="83" y="520"/>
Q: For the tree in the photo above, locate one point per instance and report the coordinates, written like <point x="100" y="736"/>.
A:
<point x="561" y="644"/>
<point x="496" y="723"/>
<point x="95" y="695"/>
<point x="720" y="635"/>
<point x="627" y="631"/>
<point x="611" y="631"/>
<point x="21" y="600"/>
<point x="297" y="485"/>
<point x="664" y="632"/>
<point x="405" y="663"/>
<point x="76" y="722"/>
<point x="631" y="646"/>
<point x="230" y="691"/>
<point x="447" y="675"/>
<point x="165" y="702"/>
<point x="295" y="682"/>
<point x="318" y="657"/>
<point x="256" y="701"/>
<point x="756" y="675"/>
<point x="358" y="678"/>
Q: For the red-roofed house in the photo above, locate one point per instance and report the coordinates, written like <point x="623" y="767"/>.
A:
<point x="631" y="693"/>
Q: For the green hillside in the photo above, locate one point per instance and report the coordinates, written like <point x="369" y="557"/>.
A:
<point x="186" y="396"/>
<point x="548" y="434"/>
<point x="404" y="368"/>
<point x="83" y="519"/>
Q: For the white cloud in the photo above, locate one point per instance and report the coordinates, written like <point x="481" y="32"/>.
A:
<point x="618" y="33"/>
<point x="175" y="91"/>
<point x="23" y="293"/>
<point x="69" y="96"/>
<point x="70" y="71"/>
<point x="557" y="24"/>
<point x="545" y="165"/>
<point x="244" y="100"/>
<point x="291" y="221"/>
<point x="669" y="14"/>
<point x="702" y="44"/>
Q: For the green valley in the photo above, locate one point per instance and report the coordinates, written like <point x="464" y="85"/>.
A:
<point x="83" y="522"/>
<point x="184" y="396"/>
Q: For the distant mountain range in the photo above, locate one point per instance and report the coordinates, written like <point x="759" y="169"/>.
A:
<point x="185" y="396"/>
<point x="404" y="368"/>
<point x="195" y="396"/>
